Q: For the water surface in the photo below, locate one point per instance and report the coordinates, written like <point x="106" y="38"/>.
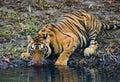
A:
<point x="60" y="74"/>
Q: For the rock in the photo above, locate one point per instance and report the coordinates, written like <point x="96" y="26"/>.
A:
<point x="5" y="65"/>
<point x="18" y="63"/>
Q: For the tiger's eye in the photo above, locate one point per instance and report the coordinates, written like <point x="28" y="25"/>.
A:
<point x="41" y="47"/>
<point x="45" y="36"/>
<point x="33" y="47"/>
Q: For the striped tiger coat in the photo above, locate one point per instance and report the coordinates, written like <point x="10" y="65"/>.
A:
<point x="78" y="29"/>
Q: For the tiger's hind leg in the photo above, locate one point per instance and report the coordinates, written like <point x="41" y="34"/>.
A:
<point x="91" y="49"/>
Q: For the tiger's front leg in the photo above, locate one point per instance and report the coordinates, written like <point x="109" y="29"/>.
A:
<point x="69" y="46"/>
<point x="63" y="58"/>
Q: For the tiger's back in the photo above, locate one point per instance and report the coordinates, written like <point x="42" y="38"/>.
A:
<point x="82" y="24"/>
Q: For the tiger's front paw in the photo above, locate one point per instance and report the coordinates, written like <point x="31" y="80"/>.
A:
<point x="61" y="62"/>
<point x="25" y="55"/>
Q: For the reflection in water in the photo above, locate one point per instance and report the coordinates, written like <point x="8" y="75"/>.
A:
<point x="59" y="74"/>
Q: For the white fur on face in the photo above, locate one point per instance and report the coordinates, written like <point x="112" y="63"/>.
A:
<point x="33" y="47"/>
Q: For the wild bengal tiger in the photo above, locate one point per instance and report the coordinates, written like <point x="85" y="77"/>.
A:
<point x="78" y="29"/>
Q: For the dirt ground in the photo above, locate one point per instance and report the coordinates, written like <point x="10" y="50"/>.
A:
<point x="20" y="18"/>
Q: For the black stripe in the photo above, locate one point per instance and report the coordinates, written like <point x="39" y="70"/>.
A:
<point x="107" y="26"/>
<point x="118" y="26"/>
<point x="37" y="44"/>
<point x="80" y="21"/>
<point x="92" y="36"/>
<point x="110" y="27"/>
<point x="59" y="28"/>
<point x="52" y="48"/>
<point x="71" y="28"/>
<point x="103" y="26"/>
<point x="79" y="14"/>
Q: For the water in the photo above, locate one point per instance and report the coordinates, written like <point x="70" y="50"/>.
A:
<point x="60" y="74"/>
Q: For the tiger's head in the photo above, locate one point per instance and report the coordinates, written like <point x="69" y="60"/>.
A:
<point x="38" y="49"/>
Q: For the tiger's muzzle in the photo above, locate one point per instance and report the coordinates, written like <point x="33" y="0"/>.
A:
<point x="39" y="53"/>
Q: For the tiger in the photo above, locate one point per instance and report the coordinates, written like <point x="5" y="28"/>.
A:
<point x="76" y="30"/>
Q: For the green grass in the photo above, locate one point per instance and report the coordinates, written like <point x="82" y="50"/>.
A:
<point x="16" y="31"/>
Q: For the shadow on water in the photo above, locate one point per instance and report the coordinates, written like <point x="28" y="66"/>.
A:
<point x="59" y="74"/>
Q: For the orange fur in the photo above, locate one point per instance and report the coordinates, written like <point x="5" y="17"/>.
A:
<point x="25" y="55"/>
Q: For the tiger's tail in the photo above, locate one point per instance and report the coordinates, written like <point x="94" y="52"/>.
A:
<point x="110" y="27"/>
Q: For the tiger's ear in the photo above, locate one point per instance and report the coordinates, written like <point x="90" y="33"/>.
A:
<point x="30" y="39"/>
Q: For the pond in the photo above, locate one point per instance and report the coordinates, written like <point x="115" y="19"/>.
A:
<point x="60" y="74"/>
